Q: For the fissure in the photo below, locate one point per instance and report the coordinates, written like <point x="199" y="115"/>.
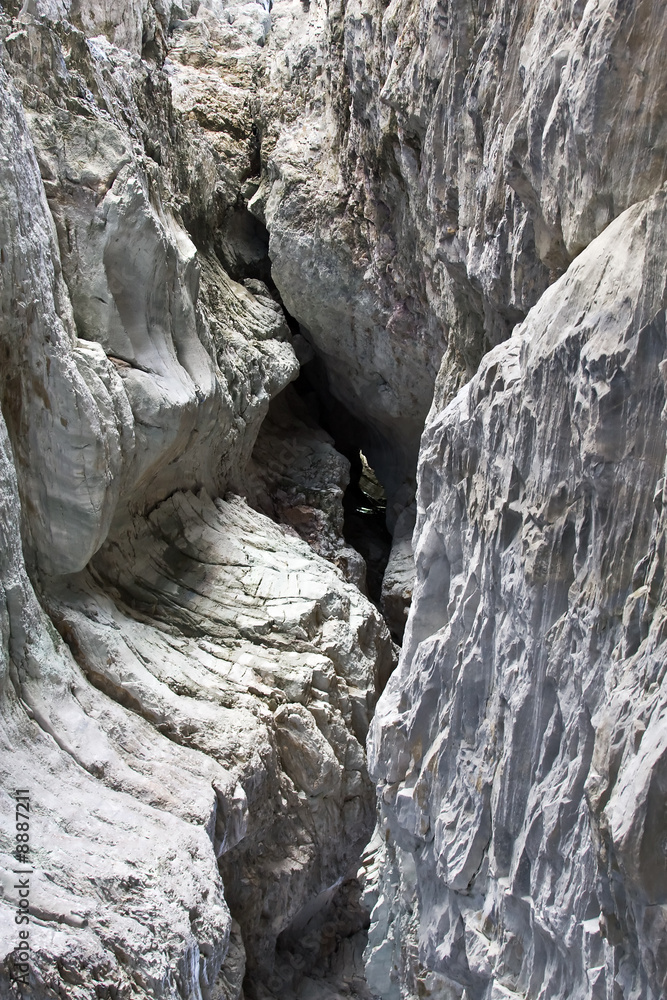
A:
<point x="326" y="328"/>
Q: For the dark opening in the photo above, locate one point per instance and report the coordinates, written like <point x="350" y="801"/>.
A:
<point x="325" y="943"/>
<point x="242" y="246"/>
<point x="365" y="501"/>
<point x="241" y="243"/>
<point x="365" y="524"/>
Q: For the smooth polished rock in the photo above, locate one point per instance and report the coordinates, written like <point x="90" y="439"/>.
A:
<point x="136" y="375"/>
<point x="155" y="357"/>
<point x="124" y="891"/>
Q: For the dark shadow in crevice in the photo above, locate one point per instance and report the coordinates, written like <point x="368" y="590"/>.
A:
<point x="365" y="524"/>
<point x="365" y="502"/>
<point x="321" y="952"/>
<point x="242" y="247"/>
<point x="241" y="244"/>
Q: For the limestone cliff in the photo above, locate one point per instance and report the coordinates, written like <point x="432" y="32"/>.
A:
<point x="191" y="730"/>
<point x="520" y="746"/>
<point x="449" y="162"/>
<point x="446" y="218"/>
<point x="521" y="806"/>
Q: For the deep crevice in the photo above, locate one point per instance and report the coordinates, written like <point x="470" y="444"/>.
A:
<point x="365" y="501"/>
<point x="320" y="954"/>
<point x="365" y="524"/>
<point x="242" y="247"/>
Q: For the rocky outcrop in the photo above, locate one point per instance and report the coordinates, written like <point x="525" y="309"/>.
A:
<point x="191" y="731"/>
<point x="241" y="644"/>
<point x="448" y="162"/>
<point x="124" y="891"/>
<point x="519" y="747"/>
<point x="186" y="683"/>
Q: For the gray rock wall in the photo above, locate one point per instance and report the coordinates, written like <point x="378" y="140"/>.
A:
<point x="460" y="159"/>
<point x="519" y="748"/>
<point x="449" y="162"/>
<point x="186" y="676"/>
<point x="186" y="685"/>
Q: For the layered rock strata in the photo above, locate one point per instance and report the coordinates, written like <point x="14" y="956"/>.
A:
<point x="191" y="730"/>
<point x="411" y="179"/>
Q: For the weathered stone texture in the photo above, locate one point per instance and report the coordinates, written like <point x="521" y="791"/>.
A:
<point x="450" y="163"/>
<point x="519" y="747"/>
<point x="416" y="180"/>
<point x="207" y="652"/>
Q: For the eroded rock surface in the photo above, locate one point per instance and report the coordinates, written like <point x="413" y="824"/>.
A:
<point x="198" y="717"/>
<point x="187" y="684"/>
<point x="519" y="747"/>
<point x="447" y="163"/>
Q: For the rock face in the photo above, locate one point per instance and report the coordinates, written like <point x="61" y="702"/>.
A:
<point x="449" y="162"/>
<point x="520" y="746"/>
<point x="461" y="207"/>
<point x="191" y="731"/>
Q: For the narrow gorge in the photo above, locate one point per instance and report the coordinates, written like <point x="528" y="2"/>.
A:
<point x="333" y="503"/>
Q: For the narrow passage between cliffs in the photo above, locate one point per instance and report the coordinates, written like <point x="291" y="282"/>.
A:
<point x="313" y="477"/>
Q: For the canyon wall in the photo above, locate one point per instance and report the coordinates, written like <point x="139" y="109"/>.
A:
<point x="446" y="219"/>
<point x="519" y="749"/>
<point x="186" y="685"/>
